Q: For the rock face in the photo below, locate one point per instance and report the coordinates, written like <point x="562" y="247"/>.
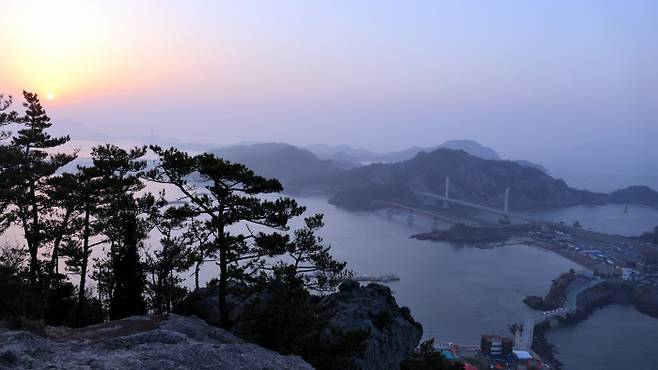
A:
<point x="645" y="299"/>
<point x="201" y="303"/>
<point x="608" y="292"/>
<point x="557" y="294"/>
<point x="391" y="332"/>
<point x="139" y="342"/>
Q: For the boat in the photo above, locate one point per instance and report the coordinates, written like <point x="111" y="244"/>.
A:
<point x="378" y="279"/>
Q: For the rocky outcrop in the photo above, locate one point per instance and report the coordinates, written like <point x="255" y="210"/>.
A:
<point x="535" y="302"/>
<point x="645" y="300"/>
<point x="140" y="342"/>
<point x="390" y="333"/>
<point x="612" y="291"/>
<point x="557" y="294"/>
<point x="201" y="303"/>
<point x="608" y="292"/>
<point x="393" y="333"/>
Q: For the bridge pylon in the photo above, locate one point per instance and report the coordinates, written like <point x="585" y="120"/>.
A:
<point x="410" y="218"/>
<point x="435" y="224"/>
<point x="447" y="192"/>
<point x="505" y="219"/>
<point x="506" y="206"/>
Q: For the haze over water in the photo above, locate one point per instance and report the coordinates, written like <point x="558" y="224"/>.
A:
<point x="570" y="85"/>
<point x="459" y="293"/>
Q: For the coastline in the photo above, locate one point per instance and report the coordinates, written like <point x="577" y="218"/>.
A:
<point x="608" y="292"/>
<point x="584" y="236"/>
<point x="613" y="291"/>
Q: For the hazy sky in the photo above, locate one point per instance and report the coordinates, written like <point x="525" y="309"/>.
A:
<point x="516" y="75"/>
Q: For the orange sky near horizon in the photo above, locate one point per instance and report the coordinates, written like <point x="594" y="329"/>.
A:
<point x="78" y="50"/>
<point x="418" y="72"/>
<point x="92" y="50"/>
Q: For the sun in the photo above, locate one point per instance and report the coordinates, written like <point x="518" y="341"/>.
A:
<point x="50" y="96"/>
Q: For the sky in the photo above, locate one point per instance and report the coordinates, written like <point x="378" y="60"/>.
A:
<point x="528" y="78"/>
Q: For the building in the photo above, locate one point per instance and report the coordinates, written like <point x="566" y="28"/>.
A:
<point x="629" y="274"/>
<point x="648" y="263"/>
<point x="449" y="355"/>
<point x="496" y="346"/>
<point x="524" y="360"/>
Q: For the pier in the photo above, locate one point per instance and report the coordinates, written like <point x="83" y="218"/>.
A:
<point x="523" y="339"/>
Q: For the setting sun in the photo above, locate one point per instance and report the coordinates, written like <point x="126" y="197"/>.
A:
<point x="329" y="184"/>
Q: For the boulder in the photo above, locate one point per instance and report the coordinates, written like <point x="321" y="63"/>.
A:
<point x="139" y="342"/>
<point x="535" y="302"/>
<point x="392" y="332"/>
<point x="201" y="303"/>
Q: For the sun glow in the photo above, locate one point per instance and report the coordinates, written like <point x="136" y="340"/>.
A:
<point x="55" y="43"/>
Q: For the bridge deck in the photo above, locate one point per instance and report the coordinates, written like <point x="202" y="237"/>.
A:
<point x="530" y="323"/>
<point x="570" y="303"/>
<point x="474" y="205"/>
<point x="525" y="342"/>
<point x="415" y="211"/>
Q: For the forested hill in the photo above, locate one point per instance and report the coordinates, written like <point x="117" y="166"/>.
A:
<point x="471" y="178"/>
<point x="282" y="161"/>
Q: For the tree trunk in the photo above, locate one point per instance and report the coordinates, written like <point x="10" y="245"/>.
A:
<point x="223" y="282"/>
<point x="54" y="258"/>
<point x="34" y="236"/>
<point x="34" y="265"/>
<point x="159" y="305"/>
<point x="197" y="267"/>
<point x="83" y="269"/>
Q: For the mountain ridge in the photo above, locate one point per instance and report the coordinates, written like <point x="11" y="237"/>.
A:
<point x="473" y="178"/>
<point x="482" y="181"/>
<point x="279" y="160"/>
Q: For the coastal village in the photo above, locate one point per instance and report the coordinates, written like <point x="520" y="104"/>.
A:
<point x="610" y="263"/>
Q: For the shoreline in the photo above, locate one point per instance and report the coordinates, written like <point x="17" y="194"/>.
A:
<point x="563" y="245"/>
<point x="643" y="298"/>
<point x="576" y="258"/>
<point x="608" y="292"/>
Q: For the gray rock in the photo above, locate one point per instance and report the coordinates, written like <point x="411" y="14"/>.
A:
<point x="8" y="358"/>
<point x="392" y="333"/>
<point x="175" y="342"/>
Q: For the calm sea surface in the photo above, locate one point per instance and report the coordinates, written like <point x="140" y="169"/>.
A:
<point x="631" y="220"/>
<point x="459" y="293"/>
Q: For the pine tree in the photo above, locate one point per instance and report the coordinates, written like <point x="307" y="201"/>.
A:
<point x="232" y="195"/>
<point x="32" y="206"/>
<point x="127" y="298"/>
<point x="121" y="222"/>
<point x="9" y="160"/>
<point x="309" y="263"/>
<point x="174" y="256"/>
